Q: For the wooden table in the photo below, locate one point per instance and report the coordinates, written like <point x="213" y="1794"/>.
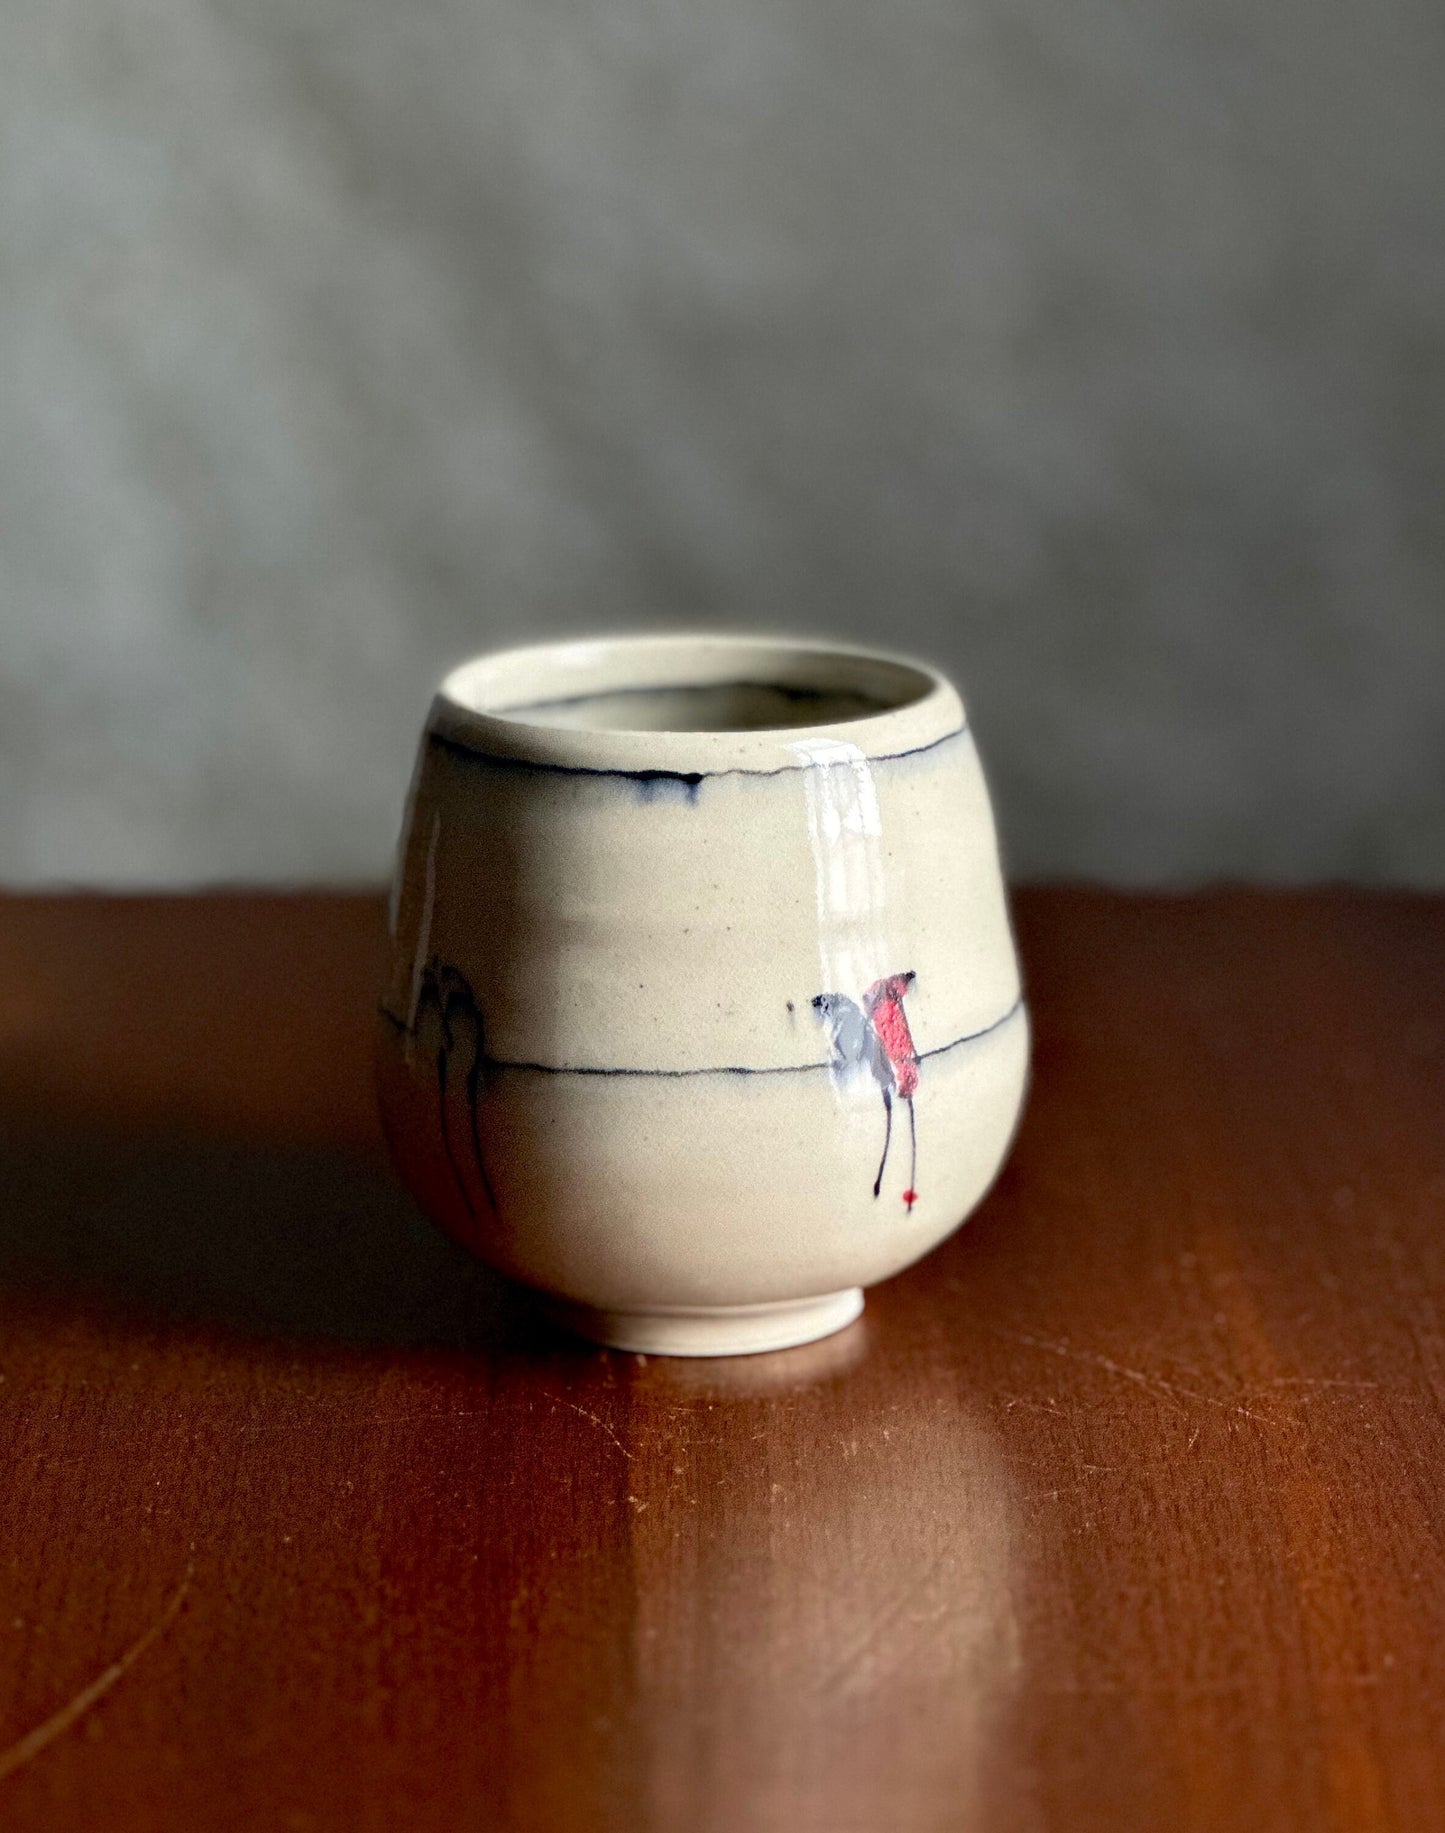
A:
<point x="1123" y="1510"/>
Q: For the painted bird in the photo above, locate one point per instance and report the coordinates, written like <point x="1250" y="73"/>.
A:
<point x="876" y="1037"/>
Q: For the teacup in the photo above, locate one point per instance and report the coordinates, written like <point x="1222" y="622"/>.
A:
<point x="703" y="1011"/>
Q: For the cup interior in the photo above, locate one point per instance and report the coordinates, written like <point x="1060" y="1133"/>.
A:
<point x="670" y="684"/>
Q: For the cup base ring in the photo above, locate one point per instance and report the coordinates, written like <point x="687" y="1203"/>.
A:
<point x="723" y="1330"/>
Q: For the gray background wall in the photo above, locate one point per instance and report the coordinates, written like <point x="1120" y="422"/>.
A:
<point x="1094" y="349"/>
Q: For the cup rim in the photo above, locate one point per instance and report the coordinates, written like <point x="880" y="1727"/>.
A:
<point x="477" y="704"/>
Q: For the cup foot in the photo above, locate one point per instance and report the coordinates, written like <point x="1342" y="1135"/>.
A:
<point x="726" y="1330"/>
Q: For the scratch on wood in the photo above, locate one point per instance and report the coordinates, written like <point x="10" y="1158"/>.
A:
<point x="601" y="1424"/>
<point x="1017" y="1400"/>
<point x="31" y="1745"/>
<point x="839" y="1674"/>
<point x="1154" y="1384"/>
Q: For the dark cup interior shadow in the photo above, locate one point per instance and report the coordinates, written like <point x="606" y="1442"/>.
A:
<point x="271" y="1241"/>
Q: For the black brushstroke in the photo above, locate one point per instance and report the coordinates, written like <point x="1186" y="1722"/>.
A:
<point x="474" y="1089"/>
<point x="688" y="781"/>
<point x="722" y="1069"/>
<point x="442" y="1056"/>
<point x="447" y="992"/>
<point x="887" y="1138"/>
<point x="651" y="781"/>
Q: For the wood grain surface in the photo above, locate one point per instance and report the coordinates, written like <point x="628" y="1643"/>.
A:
<point x="1122" y="1510"/>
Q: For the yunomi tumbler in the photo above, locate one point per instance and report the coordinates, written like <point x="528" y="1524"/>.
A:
<point x="703" y="1011"/>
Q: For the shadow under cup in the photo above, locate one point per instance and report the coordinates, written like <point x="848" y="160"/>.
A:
<point x="702" y="1010"/>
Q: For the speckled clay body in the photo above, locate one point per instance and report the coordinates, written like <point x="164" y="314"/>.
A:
<point x="703" y="1011"/>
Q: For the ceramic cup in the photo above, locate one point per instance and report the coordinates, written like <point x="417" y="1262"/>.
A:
<point x="703" y="1011"/>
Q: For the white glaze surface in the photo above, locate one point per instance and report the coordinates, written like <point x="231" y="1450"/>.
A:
<point x="635" y="924"/>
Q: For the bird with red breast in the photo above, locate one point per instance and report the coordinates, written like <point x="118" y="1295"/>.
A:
<point x="883" y="1002"/>
<point x="877" y="1037"/>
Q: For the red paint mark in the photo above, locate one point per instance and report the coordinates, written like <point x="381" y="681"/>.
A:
<point x="883" y="1003"/>
<point x="910" y="1197"/>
